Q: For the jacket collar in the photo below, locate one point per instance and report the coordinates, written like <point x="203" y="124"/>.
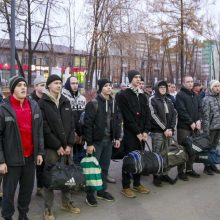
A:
<point x="187" y="91"/>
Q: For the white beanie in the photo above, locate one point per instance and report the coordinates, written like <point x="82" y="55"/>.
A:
<point x="213" y="83"/>
<point x="39" y="79"/>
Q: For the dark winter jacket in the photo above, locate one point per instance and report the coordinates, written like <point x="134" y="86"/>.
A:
<point x="11" y="150"/>
<point x="136" y="117"/>
<point x="34" y="96"/>
<point x="211" y="112"/>
<point x="188" y="108"/>
<point x="78" y="103"/>
<point x="160" y="120"/>
<point x="58" y="122"/>
<point x="96" y="120"/>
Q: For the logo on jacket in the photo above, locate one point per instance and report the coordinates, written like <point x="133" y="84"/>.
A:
<point x="70" y="182"/>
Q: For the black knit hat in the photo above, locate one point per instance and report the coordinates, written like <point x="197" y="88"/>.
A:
<point x="52" y="78"/>
<point x="14" y="81"/>
<point x="132" y="74"/>
<point x="102" y="82"/>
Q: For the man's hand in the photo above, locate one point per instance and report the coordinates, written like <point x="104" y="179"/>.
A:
<point x="140" y="137"/>
<point x="117" y="144"/>
<point x="144" y="136"/>
<point x="68" y="150"/>
<point x="168" y="133"/>
<point x="193" y="126"/>
<point x="61" y="151"/>
<point x="198" y="125"/>
<point x="3" y="168"/>
<point x="90" y="149"/>
<point x="39" y="160"/>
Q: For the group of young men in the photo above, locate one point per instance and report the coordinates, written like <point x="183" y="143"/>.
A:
<point x="38" y="129"/>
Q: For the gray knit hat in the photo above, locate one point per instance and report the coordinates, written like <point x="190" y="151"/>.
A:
<point x="13" y="81"/>
<point x="212" y="83"/>
<point x="39" y="79"/>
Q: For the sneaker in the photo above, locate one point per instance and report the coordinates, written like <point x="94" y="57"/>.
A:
<point x="183" y="176"/>
<point x="105" y="196"/>
<point x="215" y="169"/>
<point x="128" y="193"/>
<point x="192" y="173"/>
<point x="69" y="207"/>
<point x="48" y="215"/>
<point x="91" y="200"/>
<point x="208" y="170"/>
<point x="40" y="192"/>
<point x="141" y="189"/>
<point x="23" y="217"/>
<point x="109" y="179"/>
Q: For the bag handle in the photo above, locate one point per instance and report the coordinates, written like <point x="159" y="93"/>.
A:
<point x="144" y="143"/>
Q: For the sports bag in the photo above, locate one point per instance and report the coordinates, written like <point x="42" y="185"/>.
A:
<point x="92" y="172"/>
<point x="196" y="143"/>
<point x="176" y="155"/>
<point x="63" y="174"/>
<point x="209" y="157"/>
<point x="143" y="162"/>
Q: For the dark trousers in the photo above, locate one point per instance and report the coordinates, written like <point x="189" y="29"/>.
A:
<point x="130" y="143"/>
<point x="181" y="135"/>
<point x="24" y="175"/>
<point x="39" y="175"/>
<point x="214" y="138"/>
<point x="103" y="154"/>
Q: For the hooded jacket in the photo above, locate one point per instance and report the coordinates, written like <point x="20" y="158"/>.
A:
<point x="163" y="113"/>
<point x="96" y="120"/>
<point x="188" y="108"/>
<point x="211" y="112"/>
<point x="11" y="150"/>
<point x="78" y="104"/>
<point x="58" y="122"/>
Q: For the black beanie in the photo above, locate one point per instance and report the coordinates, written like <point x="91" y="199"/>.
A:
<point x="102" y="82"/>
<point x="14" y="81"/>
<point x="52" y="78"/>
<point x="132" y="74"/>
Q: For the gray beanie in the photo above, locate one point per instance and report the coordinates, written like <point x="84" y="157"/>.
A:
<point x="212" y="83"/>
<point x="39" y="79"/>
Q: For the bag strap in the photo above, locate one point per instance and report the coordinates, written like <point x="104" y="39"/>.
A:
<point x="145" y="142"/>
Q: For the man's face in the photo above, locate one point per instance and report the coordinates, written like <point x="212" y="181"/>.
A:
<point x="162" y="90"/>
<point x="20" y="91"/>
<point x="188" y="83"/>
<point x="197" y="89"/>
<point x="141" y="86"/>
<point x="107" y="89"/>
<point x="136" y="81"/>
<point x="55" y="86"/>
<point x="74" y="84"/>
<point x="216" y="89"/>
<point x="39" y="88"/>
<point x="172" y="88"/>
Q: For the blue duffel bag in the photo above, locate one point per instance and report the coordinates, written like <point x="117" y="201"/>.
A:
<point x="209" y="157"/>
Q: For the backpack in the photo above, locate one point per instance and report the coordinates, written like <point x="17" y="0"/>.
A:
<point x="82" y="116"/>
<point x="208" y="157"/>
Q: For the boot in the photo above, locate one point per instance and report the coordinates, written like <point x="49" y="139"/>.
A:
<point x="157" y="181"/>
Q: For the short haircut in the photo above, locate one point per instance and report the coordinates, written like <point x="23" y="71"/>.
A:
<point x="186" y="76"/>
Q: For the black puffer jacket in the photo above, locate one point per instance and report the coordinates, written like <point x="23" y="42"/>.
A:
<point x="58" y="126"/>
<point x="188" y="108"/>
<point x="160" y="120"/>
<point x="96" y="120"/>
<point x="11" y="150"/>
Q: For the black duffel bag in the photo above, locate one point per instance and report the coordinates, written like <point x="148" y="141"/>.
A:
<point x="63" y="174"/>
<point x="196" y="143"/>
<point x="143" y="162"/>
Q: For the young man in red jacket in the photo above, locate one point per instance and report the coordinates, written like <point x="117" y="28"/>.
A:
<point x="21" y="146"/>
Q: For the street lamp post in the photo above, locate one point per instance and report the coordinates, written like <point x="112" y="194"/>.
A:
<point x="12" y="37"/>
